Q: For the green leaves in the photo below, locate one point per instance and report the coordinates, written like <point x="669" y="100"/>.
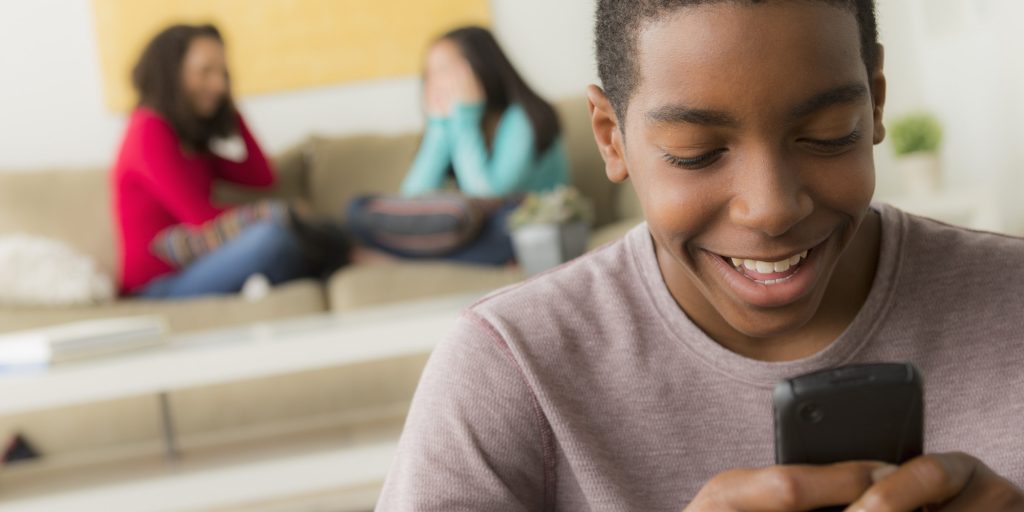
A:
<point x="916" y="133"/>
<point x="559" y="206"/>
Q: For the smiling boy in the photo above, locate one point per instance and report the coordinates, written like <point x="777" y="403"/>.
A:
<point x="639" y="377"/>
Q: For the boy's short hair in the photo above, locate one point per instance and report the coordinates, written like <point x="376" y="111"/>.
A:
<point x="619" y="23"/>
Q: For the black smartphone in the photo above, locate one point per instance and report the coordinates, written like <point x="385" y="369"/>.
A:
<point x="858" y="412"/>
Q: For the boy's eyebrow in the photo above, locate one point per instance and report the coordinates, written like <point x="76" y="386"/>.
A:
<point x="677" y="114"/>
<point x="850" y="93"/>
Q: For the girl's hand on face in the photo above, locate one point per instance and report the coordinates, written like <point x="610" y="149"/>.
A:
<point x="787" y="488"/>
<point x="449" y="80"/>
<point x="950" y="482"/>
<point x="466" y="87"/>
<point x="437" y="98"/>
<point x="433" y="103"/>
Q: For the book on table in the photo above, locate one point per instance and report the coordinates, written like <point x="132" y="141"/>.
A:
<point x="42" y="347"/>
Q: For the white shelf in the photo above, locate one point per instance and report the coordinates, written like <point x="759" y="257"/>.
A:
<point x="342" y="467"/>
<point x="243" y="477"/>
<point x="236" y="354"/>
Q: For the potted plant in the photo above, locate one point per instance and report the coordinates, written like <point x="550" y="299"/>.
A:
<point x="550" y="228"/>
<point x="915" y="140"/>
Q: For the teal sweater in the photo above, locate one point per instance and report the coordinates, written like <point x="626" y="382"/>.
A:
<point x="511" y="167"/>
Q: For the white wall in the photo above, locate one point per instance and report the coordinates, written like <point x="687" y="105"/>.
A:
<point x="962" y="59"/>
<point x="52" y="111"/>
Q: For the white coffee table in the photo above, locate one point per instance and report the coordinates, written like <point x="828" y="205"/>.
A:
<point x="318" y="463"/>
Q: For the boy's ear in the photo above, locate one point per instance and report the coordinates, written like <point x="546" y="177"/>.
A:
<point x="608" y="134"/>
<point x="878" y="95"/>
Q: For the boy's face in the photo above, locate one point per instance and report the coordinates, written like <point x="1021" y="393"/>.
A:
<point x="749" y="137"/>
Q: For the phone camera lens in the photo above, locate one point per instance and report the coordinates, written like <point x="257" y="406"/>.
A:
<point x="810" y="412"/>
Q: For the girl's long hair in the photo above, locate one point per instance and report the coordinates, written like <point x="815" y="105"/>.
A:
<point x="502" y="84"/>
<point x="157" y="80"/>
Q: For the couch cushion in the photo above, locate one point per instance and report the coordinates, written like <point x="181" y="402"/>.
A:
<point x="74" y="205"/>
<point x="586" y="165"/>
<point x="366" y="285"/>
<point x="71" y="205"/>
<point x="341" y="168"/>
<point x="628" y="203"/>
<point x="290" y="168"/>
<point x="291" y="299"/>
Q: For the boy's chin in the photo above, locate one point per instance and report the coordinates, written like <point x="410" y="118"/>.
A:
<point x="757" y="323"/>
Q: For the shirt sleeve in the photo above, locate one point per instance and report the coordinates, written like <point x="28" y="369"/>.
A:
<point x="254" y="171"/>
<point x="170" y="176"/>
<point x="432" y="160"/>
<point x="507" y="167"/>
<point x="472" y="440"/>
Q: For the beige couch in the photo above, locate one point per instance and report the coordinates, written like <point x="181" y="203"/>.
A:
<point x="73" y="205"/>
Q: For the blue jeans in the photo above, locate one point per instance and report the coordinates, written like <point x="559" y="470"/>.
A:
<point x="267" y="248"/>
<point x="492" y="246"/>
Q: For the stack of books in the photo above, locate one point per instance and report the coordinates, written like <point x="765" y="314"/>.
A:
<point x="39" y="348"/>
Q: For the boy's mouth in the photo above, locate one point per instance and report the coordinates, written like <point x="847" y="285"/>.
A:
<point x="768" y="272"/>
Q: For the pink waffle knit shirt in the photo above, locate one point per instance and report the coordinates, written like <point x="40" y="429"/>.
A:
<point x="588" y="388"/>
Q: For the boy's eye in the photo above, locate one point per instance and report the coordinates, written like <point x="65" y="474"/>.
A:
<point x="832" y="145"/>
<point x="821" y="146"/>
<point x="693" y="163"/>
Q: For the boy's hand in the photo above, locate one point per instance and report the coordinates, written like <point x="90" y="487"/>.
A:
<point x="950" y="482"/>
<point x="787" y="488"/>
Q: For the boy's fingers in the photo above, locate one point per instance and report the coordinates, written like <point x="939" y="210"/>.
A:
<point x="992" y="493"/>
<point x="787" y="488"/>
<point x="952" y="478"/>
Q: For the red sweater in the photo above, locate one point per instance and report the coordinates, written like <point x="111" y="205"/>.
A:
<point x="156" y="184"/>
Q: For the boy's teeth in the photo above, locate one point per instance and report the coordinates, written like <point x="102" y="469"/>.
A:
<point x="768" y="267"/>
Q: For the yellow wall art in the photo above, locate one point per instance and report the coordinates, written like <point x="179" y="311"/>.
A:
<point x="279" y="45"/>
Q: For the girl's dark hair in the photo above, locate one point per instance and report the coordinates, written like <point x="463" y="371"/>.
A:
<point x="502" y="84"/>
<point x="157" y="80"/>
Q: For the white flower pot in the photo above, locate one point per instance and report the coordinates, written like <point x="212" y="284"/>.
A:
<point x="921" y="173"/>
<point x="540" y="247"/>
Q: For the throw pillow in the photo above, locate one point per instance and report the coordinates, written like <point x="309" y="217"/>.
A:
<point x="38" y="271"/>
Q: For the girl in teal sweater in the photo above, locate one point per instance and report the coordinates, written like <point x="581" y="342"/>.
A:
<point x="484" y="124"/>
<point x="486" y="129"/>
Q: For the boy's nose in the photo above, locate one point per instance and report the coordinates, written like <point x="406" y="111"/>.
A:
<point x="769" y="197"/>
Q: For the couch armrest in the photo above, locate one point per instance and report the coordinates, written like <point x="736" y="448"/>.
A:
<point x="360" y="286"/>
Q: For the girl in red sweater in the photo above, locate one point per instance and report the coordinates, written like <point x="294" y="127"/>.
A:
<point x="184" y="134"/>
